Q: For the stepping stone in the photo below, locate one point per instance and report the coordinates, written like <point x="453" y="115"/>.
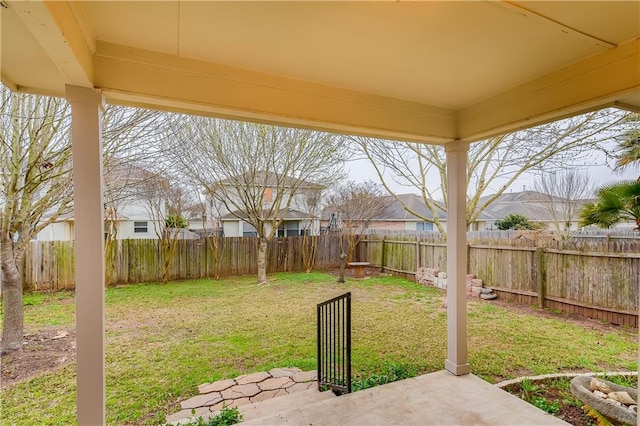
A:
<point x="231" y="394"/>
<point x="252" y="378"/>
<point x="216" y="386"/>
<point x="276" y="383"/>
<point x="298" y="387"/>
<point x="264" y="395"/>
<point x="305" y="376"/>
<point x="201" y="400"/>
<point x="229" y="403"/>
<point x="248" y="390"/>
<point x="184" y="416"/>
<point x="284" y="372"/>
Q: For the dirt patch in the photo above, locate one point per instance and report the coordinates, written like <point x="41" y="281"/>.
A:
<point x="43" y="352"/>
<point x="584" y="322"/>
<point x="567" y="408"/>
<point x="369" y="271"/>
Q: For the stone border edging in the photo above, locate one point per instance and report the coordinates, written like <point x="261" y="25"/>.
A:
<point x="506" y="383"/>
<point x="581" y="389"/>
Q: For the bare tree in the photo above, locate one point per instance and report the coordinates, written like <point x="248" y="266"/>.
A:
<point x="35" y="161"/>
<point x="494" y="164"/>
<point x="204" y="210"/>
<point x="35" y="176"/>
<point x="354" y="205"/>
<point x="166" y="203"/>
<point x="254" y="170"/>
<point x="563" y="194"/>
<point x="312" y="204"/>
<point x="131" y="142"/>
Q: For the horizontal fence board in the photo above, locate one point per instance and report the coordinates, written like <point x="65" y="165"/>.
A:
<point x="50" y="265"/>
<point x="598" y="278"/>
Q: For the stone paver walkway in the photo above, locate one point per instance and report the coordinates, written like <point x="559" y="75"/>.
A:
<point x="245" y="389"/>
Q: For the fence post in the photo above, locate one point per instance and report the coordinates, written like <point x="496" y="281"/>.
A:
<point x="382" y="256"/>
<point x="540" y="276"/>
<point x="417" y="254"/>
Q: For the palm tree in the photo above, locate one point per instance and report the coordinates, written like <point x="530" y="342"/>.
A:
<point x="616" y="203"/>
<point x="629" y="150"/>
<point x="629" y="146"/>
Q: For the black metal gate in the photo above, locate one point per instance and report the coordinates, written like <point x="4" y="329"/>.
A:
<point x="334" y="344"/>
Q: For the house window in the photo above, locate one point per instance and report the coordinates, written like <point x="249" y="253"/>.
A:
<point x="289" y="229"/>
<point x="248" y="230"/>
<point x="424" y="226"/>
<point x="140" y="227"/>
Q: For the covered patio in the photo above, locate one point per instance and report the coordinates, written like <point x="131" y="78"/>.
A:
<point x="438" y="398"/>
<point x="447" y="73"/>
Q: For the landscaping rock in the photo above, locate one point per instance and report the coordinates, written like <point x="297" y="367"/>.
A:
<point x="596" y="384"/>
<point x="600" y="394"/>
<point x="622" y="397"/>
<point x="584" y="388"/>
<point x="490" y="296"/>
<point x="486" y="290"/>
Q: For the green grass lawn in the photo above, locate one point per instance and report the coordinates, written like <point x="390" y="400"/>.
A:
<point x="164" y="340"/>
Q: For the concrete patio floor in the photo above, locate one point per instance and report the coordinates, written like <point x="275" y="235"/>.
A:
<point x="438" y="398"/>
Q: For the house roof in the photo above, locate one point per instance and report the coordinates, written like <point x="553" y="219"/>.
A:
<point x="273" y="180"/>
<point x="287" y="214"/>
<point x="527" y="203"/>
<point x="433" y="71"/>
<point x="530" y="204"/>
<point x="397" y="212"/>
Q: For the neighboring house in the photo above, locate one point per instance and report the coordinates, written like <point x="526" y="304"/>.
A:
<point x="302" y="215"/>
<point x="294" y="223"/>
<point x="532" y="204"/>
<point x="396" y="217"/>
<point x="134" y="206"/>
<point x="60" y="230"/>
<point x="132" y="221"/>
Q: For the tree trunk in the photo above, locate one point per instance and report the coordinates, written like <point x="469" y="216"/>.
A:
<point x="13" y="324"/>
<point x="343" y="266"/>
<point x="262" y="261"/>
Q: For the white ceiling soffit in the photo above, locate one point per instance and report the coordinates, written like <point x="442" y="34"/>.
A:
<point x="427" y="71"/>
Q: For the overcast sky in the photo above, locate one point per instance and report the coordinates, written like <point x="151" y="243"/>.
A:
<point x="362" y="170"/>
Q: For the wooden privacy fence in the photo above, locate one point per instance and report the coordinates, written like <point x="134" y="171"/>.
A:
<point x="597" y="279"/>
<point x="49" y="265"/>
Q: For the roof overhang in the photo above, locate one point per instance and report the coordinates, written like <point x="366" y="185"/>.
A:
<point x="423" y="71"/>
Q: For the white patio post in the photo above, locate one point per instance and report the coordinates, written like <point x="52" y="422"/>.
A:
<point x="456" y="361"/>
<point x="86" y="136"/>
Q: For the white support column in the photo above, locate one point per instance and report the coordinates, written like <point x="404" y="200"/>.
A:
<point x="86" y="136"/>
<point x="456" y="362"/>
